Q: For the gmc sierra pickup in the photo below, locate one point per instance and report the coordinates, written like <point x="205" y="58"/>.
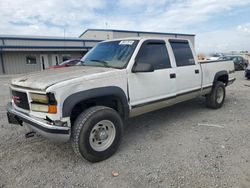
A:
<point x="118" y="79"/>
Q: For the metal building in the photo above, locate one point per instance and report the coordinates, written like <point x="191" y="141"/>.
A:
<point x="22" y="54"/>
<point x="105" y="34"/>
<point x="19" y="54"/>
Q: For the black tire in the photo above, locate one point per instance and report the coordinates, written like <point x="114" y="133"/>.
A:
<point x="85" y="122"/>
<point x="212" y="98"/>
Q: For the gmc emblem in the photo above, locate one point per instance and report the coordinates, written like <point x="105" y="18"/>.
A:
<point x="16" y="99"/>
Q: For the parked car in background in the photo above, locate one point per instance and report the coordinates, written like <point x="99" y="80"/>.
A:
<point x="247" y="72"/>
<point x="239" y="62"/>
<point x="214" y="57"/>
<point x="67" y="63"/>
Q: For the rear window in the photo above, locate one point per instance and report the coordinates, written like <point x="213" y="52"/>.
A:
<point x="182" y="52"/>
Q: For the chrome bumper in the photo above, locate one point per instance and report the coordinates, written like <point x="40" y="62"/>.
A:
<point x="40" y="126"/>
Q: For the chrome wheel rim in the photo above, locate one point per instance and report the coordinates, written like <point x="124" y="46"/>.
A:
<point x="102" y="135"/>
<point x="220" y="95"/>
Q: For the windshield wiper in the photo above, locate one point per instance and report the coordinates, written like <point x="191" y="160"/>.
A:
<point x="101" y="61"/>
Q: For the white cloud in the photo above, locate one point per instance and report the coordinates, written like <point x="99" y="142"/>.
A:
<point x="245" y="28"/>
<point x="28" y="16"/>
<point x="222" y="41"/>
<point x="182" y="14"/>
<point x="50" y="17"/>
<point x="147" y="6"/>
<point x="136" y="3"/>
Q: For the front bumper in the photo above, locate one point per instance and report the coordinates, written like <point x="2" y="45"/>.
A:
<point x="38" y="125"/>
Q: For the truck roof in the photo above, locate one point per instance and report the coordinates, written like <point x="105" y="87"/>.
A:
<point x="146" y="37"/>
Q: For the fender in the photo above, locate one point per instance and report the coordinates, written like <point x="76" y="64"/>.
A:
<point x="75" y="98"/>
<point x="220" y="73"/>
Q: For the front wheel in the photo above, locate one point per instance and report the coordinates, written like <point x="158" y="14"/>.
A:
<point x="217" y="96"/>
<point x="97" y="133"/>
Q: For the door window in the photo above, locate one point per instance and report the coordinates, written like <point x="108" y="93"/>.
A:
<point x="182" y="52"/>
<point x="154" y="53"/>
<point x="240" y="59"/>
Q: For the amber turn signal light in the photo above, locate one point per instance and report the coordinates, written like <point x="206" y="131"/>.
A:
<point x="52" y="109"/>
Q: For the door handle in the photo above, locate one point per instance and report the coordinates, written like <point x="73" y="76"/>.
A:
<point x="172" y="75"/>
<point x="197" y="71"/>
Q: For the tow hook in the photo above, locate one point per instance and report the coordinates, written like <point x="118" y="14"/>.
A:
<point x="30" y="134"/>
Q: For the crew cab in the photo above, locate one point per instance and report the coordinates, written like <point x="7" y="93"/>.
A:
<point x="117" y="79"/>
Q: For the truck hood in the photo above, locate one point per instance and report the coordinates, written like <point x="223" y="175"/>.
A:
<point x="43" y="79"/>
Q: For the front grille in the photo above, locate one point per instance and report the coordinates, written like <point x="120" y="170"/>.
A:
<point x="20" y="99"/>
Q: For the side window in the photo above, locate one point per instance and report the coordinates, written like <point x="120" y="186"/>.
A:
<point x="183" y="53"/>
<point x="240" y="59"/>
<point x="154" y="53"/>
<point x="66" y="57"/>
<point x="30" y="60"/>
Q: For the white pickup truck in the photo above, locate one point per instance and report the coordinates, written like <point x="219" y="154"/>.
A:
<point x="118" y="79"/>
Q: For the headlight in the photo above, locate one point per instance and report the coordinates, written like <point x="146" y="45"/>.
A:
<point x="40" y="98"/>
<point x="52" y="109"/>
<point x="39" y="107"/>
<point x="43" y="103"/>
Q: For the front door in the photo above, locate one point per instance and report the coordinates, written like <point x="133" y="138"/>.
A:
<point x="44" y="61"/>
<point x="152" y="90"/>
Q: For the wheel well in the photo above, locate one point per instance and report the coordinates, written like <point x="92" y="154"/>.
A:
<point x="223" y="78"/>
<point x="109" y="101"/>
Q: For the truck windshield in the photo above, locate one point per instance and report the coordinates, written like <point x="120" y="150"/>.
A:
<point x="115" y="54"/>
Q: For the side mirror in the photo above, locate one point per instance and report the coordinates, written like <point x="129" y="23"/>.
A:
<point x="143" y="67"/>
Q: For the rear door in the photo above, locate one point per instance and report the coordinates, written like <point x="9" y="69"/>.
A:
<point x="188" y="71"/>
<point x="147" y="88"/>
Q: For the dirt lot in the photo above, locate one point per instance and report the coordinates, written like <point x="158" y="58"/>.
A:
<point x="186" y="145"/>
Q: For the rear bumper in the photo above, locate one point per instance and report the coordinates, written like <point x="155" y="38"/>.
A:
<point x="40" y="126"/>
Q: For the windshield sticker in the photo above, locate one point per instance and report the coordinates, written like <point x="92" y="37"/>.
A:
<point x="126" y="42"/>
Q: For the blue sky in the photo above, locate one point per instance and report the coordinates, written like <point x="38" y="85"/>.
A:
<point x="220" y="26"/>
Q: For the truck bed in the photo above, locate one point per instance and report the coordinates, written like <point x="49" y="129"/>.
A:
<point x="211" y="68"/>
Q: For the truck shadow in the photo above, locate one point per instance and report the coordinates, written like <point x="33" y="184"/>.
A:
<point x="152" y="125"/>
<point x="179" y="115"/>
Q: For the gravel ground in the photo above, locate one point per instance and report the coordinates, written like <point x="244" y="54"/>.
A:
<point x="186" y="145"/>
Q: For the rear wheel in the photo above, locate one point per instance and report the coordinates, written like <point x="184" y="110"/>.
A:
<point x="217" y="96"/>
<point x="97" y="133"/>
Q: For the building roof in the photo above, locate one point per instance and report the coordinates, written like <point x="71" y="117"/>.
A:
<point x="45" y="48"/>
<point x="44" y="43"/>
<point x="128" y="31"/>
<point x="45" y="38"/>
